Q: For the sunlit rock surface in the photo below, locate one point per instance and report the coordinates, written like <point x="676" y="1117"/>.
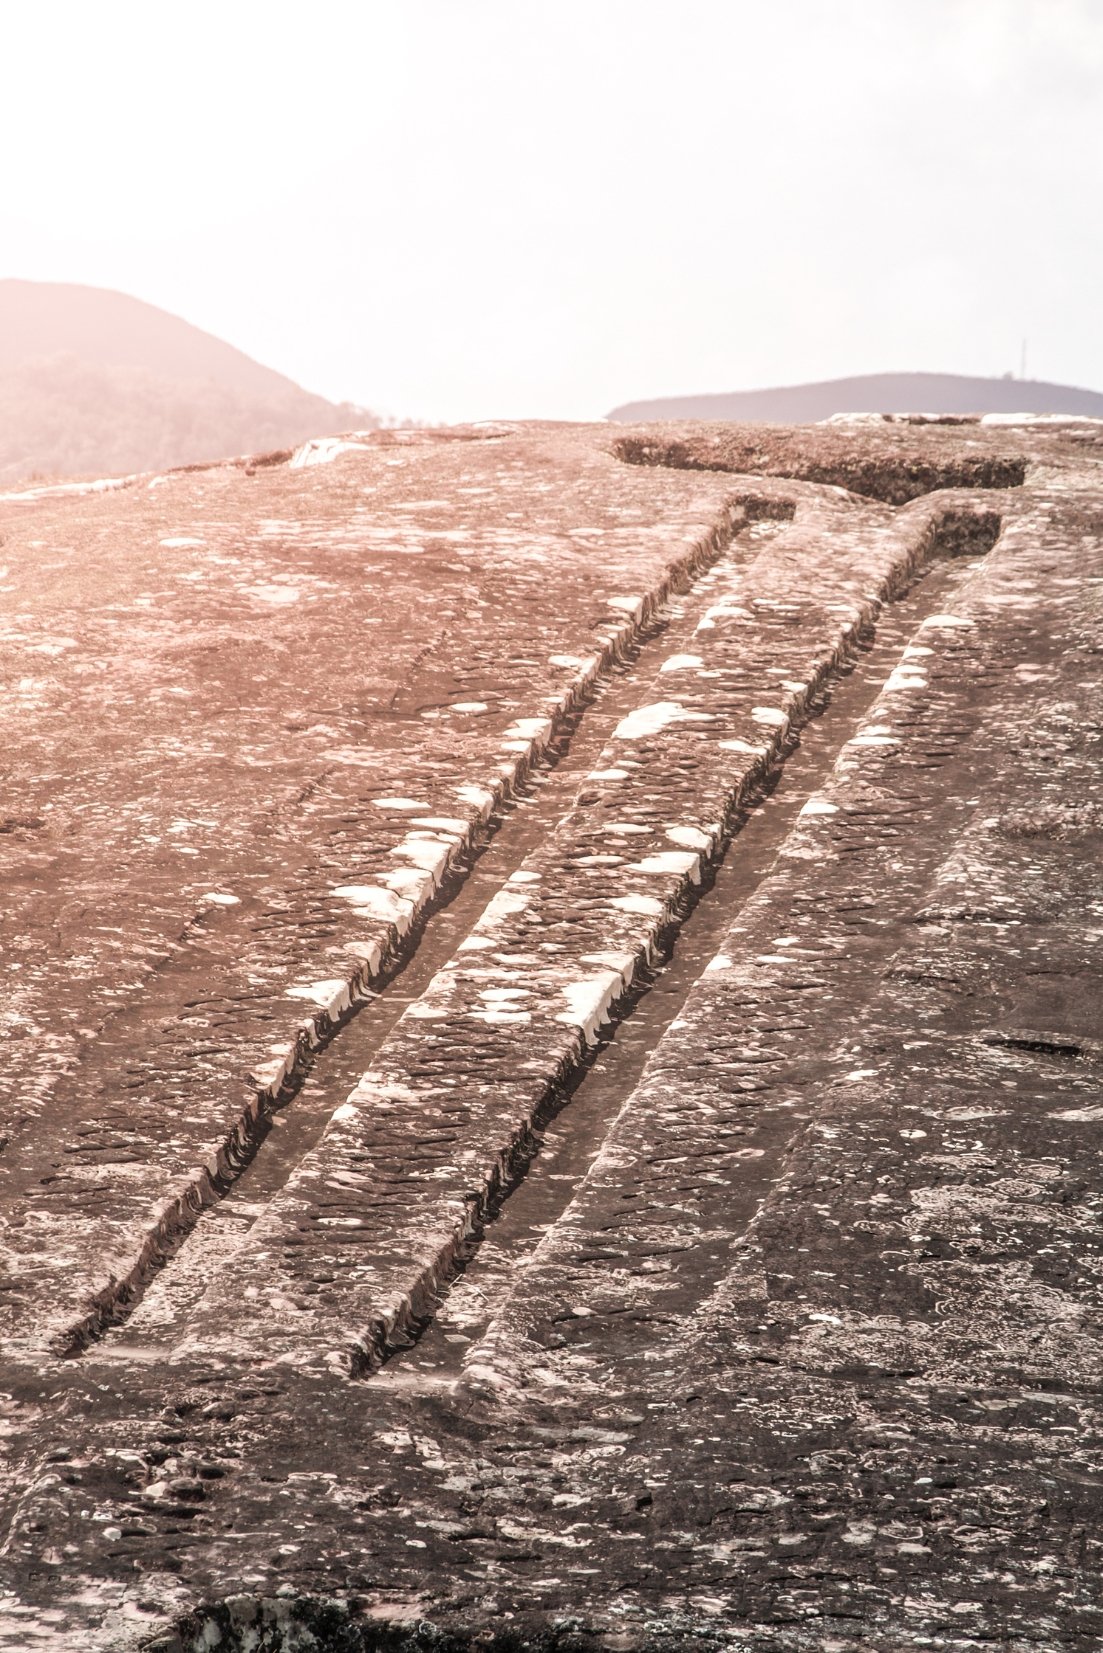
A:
<point x="553" y="1044"/>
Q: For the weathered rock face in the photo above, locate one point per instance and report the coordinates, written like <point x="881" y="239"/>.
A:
<point x="553" y="1021"/>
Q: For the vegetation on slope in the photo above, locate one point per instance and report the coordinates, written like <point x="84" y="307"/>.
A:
<point x="97" y="383"/>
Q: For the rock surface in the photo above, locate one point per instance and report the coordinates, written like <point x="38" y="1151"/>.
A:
<point x="552" y="1008"/>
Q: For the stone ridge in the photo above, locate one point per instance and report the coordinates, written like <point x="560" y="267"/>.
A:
<point x="808" y="1357"/>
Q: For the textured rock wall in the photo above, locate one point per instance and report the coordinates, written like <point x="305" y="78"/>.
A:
<point x="376" y="1273"/>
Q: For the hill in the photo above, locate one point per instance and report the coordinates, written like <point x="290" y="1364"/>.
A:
<point x="871" y="393"/>
<point x="93" y="381"/>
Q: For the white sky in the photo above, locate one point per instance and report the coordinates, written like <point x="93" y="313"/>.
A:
<point x="468" y="208"/>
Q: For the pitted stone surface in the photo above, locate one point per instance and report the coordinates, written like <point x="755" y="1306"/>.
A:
<point x="230" y="819"/>
<point x="371" y="1221"/>
<point x="809" y="1356"/>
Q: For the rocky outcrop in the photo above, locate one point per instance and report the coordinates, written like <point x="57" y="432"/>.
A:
<point x="553" y="1064"/>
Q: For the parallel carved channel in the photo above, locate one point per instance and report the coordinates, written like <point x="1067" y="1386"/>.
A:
<point x="555" y="810"/>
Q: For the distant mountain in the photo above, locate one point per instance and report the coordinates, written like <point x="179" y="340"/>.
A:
<point x="96" y="382"/>
<point x="872" y="393"/>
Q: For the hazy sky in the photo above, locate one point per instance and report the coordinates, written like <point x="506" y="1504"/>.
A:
<point x="468" y="208"/>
